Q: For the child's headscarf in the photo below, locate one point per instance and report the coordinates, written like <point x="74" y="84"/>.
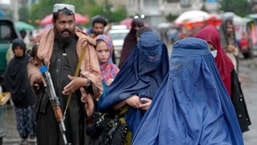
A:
<point x="108" y="70"/>
<point x="19" y="42"/>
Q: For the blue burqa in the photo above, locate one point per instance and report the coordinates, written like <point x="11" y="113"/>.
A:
<point x="192" y="106"/>
<point x="141" y="75"/>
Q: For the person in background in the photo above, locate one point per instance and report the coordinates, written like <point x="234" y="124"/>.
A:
<point x="98" y="25"/>
<point x="61" y="49"/>
<point x="23" y="34"/>
<point x="191" y="106"/>
<point x="17" y="82"/>
<point x="228" y="74"/>
<point x="9" y="53"/>
<point x="244" y="45"/>
<point x="134" y="87"/>
<point x="98" y="28"/>
<point x="130" y="40"/>
<point x="228" y="41"/>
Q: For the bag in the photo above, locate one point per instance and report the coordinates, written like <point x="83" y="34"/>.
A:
<point x="106" y="129"/>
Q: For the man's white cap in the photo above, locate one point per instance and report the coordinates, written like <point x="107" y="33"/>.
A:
<point x="60" y="6"/>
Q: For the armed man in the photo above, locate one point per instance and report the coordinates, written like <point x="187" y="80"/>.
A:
<point x="71" y="61"/>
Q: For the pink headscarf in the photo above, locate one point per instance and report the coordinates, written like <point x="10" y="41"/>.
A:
<point x="109" y="69"/>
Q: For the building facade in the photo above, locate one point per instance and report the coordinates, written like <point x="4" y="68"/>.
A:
<point x="156" y="10"/>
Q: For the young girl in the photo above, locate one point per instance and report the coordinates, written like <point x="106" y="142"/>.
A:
<point x="104" y="51"/>
<point x="16" y="80"/>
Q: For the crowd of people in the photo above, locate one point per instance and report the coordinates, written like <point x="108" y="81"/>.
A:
<point x="194" y="97"/>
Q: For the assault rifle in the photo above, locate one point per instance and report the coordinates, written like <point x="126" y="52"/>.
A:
<point x="55" y="102"/>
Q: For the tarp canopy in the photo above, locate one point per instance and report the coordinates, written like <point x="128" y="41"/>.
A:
<point x="193" y="18"/>
<point x="19" y="25"/>
<point x="192" y="15"/>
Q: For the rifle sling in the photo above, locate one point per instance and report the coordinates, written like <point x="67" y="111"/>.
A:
<point x="82" y="54"/>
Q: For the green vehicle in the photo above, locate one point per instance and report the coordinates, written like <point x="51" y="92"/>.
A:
<point x="7" y="34"/>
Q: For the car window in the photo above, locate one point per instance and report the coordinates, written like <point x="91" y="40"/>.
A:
<point x="118" y="35"/>
<point x="7" y="34"/>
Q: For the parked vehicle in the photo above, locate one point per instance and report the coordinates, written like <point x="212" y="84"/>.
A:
<point x="7" y="34"/>
<point x="118" y="34"/>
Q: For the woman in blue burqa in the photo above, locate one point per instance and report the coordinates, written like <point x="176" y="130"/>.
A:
<point x="192" y="106"/>
<point x="139" y="78"/>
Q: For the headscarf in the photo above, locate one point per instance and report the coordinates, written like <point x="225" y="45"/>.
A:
<point x="143" y="30"/>
<point x="223" y="62"/>
<point x="191" y="106"/>
<point x="108" y="70"/>
<point x="16" y="79"/>
<point x="141" y="74"/>
<point x="130" y="41"/>
<point x="19" y="42"/>
<point x="225" y="40"/>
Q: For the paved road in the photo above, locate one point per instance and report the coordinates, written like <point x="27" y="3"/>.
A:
<point x="12" y="136"/>
<point x="248" y="77"/>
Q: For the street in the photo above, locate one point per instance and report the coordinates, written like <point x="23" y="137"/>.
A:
<point x="248" y="77"/>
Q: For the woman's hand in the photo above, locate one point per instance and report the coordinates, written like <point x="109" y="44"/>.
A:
<point x="74" y="84"/>
<point x="145" y="103"/>
<point x="134" y="101"/>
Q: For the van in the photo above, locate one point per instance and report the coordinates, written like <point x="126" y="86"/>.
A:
<point x="118" y="34"/>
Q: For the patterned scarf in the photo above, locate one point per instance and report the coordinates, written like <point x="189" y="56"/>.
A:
<point x="109" y="69"/>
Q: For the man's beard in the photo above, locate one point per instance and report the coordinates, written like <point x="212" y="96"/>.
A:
<point x="98" y="33"/>
<point x="64" y="40"/>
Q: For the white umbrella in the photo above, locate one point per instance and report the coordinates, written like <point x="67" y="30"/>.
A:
<point x="192" y="16"/>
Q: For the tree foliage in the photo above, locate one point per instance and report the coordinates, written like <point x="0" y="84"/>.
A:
<point x="25" y="14"/>
<point x="170" y="17"/>
<point x="41" y="9"/>
<point x="84" y="7"/>
<point x="239" y="7"/>
<point x="119" y="14"/>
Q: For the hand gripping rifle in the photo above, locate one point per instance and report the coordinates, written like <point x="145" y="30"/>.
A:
<point x="55" y="102"/>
